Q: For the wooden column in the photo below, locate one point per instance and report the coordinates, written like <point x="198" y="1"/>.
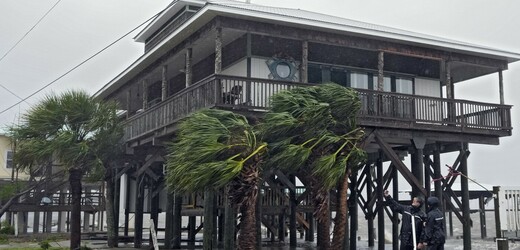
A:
<point x="209" y="220"/>
<point x="449" y="87"/>
<point x="501" y="86"/>
<point x="418" y="165"/>
<point x="281" y="225"/>
<point x="292" y="216"/>
<point x="139" y="210"/>
<point x="127" y="203"/>
<point x="249" y="54"/>
<point x="154" y="208"/>
<point x="496" y="200"/>
<point x="145" y="94"/>
<point x="380" y="73"/>
<point x="379" y="204"/>
<point x="370" y="213"/>
<point x="36" y="222"/>
<point x="482" y="212"/>
<point x="218" y="50"/>
<point x="437" y="174"/>
<point x="229" y="223"/>
<point x="304" y="66"/>
<point x="353" y="211"/>
<point x="188" y="67"/>
<point x="427" y="176"/>
<point x="466" y="224"/>
<point x="395" y="216"/>
<point x="164" y="82"/>
<point x="168" y="230"/>
<point x="177" y="222"/>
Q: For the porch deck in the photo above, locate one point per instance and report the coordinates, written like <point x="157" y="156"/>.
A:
<point x="379" y="109"/>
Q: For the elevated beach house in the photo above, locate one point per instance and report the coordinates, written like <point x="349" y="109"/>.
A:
<point x="234" y="55"/>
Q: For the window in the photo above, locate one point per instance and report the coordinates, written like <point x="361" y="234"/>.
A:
<point x="359" y="80"/>
<point x="9" y="159"/>
<point x="404" y="86"/>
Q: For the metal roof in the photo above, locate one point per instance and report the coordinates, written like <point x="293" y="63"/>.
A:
<point x="297" y="18"/>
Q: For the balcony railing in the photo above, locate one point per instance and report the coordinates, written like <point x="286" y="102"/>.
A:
<point x="379" y="109"/>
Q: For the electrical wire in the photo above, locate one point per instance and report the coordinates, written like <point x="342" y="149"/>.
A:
<point x="84" y="61"/>
<point x="8" y="90"/>
<point x="29" y="31"/>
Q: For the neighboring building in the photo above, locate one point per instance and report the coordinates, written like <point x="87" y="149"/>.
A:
<point x="234" y="55"/>
<point x="6" y="158"/>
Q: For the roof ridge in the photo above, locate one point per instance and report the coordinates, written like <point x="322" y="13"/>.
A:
<point x="370" y="26"/>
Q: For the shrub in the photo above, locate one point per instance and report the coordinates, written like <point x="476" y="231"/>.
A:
<point x="44" y="244"/>
<point x="6" y="228"/>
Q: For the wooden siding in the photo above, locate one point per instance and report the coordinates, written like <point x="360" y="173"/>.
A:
<point x="379" y="109"/>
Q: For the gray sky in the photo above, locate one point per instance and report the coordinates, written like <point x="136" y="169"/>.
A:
<point x="75" y="30"/>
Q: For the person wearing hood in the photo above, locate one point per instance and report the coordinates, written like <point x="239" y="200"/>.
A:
<point x="412" y="218"/>
<point x="433" y="235"/>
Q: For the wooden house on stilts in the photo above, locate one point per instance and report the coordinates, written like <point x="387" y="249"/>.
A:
<point x="235" y="55"/>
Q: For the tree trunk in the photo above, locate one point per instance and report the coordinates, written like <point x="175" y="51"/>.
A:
<point x="110" y="210"/>
<point x="340" y="222"/>
<point x="322" y="214"/>
<point x="249" y="187"/>
<point x="75" y="213"/>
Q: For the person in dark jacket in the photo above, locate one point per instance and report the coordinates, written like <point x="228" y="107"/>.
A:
<point x="410" y="214"/>
<point x="433" y="235"/>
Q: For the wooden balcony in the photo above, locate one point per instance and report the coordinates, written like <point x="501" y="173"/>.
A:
<point x="379" y="109"/>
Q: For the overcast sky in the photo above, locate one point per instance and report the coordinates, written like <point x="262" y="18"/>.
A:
<point x="75" y="30"/>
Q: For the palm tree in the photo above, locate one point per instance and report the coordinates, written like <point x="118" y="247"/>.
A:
<point x="215" y="148"/>
<point x="74" y="130"/>
<point x="312" y="132"/>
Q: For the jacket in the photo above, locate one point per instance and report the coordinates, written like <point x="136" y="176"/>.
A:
<point x="406" y="222"/>
<point x="434" y="233"/>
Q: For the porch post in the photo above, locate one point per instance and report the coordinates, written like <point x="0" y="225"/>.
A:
<point x="380" y="202"/>
<point x="304" y="77"/>
<point x="466" y="224"/>
<point x="437" y="173"/>
<point x="218" y="50"/>
<point x="188" y="67"/>
<point x="449" y="84"/>
<point x="418" y="165"/>
<point x="501" y="86"/>
<point x="380" y="74"/>
<point x="145" y="94"/>
<point x="164" y="84"/>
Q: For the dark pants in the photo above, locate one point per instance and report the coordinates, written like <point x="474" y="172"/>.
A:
<point x="403" y="247"/>
<point x="436" y="247"/>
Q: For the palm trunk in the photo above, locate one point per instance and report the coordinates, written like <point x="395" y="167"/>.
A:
<point x="75" y="213"/>
<point x="322" y="214"/>
<point x="110" y="210"/>
<point x="340" y="222"/>
<point x="249" y="179"/>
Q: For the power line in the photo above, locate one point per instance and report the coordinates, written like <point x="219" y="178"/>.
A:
<point x="84" y="61"/>
<point x="2" y="86"/>
<point x="14" y="46"/>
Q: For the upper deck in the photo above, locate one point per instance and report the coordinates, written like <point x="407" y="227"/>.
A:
<point x="381" y="110"/>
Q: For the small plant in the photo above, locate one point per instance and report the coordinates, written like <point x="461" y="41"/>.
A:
<point x="6" y="228"/>
<point x="4" y="239"/>
<point x="44" y="244"/>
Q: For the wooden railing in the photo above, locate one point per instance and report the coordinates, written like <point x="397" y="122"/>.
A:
<point x="380" y="109"/>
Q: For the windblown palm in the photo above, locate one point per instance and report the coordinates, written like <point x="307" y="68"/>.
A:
<point x="312" y="132"/>
<point x="73" y="130"/>
<point x="215" y="148"/>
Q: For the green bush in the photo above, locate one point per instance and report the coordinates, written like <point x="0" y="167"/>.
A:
<point x="44" y="244"/>
<point x="6" y="228"/>
<point x="4" y="239"/>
